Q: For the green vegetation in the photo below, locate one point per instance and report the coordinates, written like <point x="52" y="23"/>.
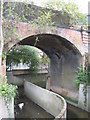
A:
<point x="45" y="59"/>
<point x="23" y="54"/>
<point x="82" y="76"/>
<point x="69" y="8"/>
<point x="44" y="19"/>
<point x="8" y="91"/>
<point x="14" y="12"/>
<point x="79" y="77"/>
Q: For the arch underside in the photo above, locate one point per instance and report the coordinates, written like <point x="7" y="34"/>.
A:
<point x="50" y="44"/>
<point x="64" y="60"/>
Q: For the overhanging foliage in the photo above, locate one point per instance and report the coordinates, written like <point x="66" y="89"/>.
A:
<point x="23" y="54"/>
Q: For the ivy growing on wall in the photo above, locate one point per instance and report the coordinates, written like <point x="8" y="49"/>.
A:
<point x="82" y="76"/>
<point x="69" y="8"/>
<point x="7" y="91"/>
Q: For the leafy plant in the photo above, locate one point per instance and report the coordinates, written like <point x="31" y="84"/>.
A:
<point x="79" y="76"/>
<point x="8" y="91"/>
<point x="69" y="8"/>
<point x="77" y="83"/>
<point x="23" y="54"/>
<point x="83" y="77"/>
<point x="14" y="12"/>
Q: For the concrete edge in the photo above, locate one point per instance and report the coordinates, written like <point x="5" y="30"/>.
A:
<point x="64" y="109"/>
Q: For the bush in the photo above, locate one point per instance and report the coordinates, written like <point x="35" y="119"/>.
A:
<point x="82" y="76"/>
<point x="23" y="54"/>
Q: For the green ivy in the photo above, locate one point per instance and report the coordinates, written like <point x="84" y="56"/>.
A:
<point x="22" y="12"/>
<point x="82" y="76"/>
<point x="8" y="91"/>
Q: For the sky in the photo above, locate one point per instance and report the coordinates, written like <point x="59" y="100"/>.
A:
<point x="82" y="4"/>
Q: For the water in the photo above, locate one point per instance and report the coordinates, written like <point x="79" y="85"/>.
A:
<point x="74" y="112"/>
<point x="29" y="109"/>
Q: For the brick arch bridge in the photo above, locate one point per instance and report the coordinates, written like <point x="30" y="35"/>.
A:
<point x="74" y="37"/>
<point x="64" y="48"/>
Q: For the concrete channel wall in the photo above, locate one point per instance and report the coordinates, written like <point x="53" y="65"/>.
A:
<point x="51" y="102"/>
<point x="18" y="77"/>
<point x="81" y="99"/>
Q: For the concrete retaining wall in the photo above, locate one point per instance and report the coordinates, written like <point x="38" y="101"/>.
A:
<point x="18" y="79"/>
<point x="82" y="98"/>
<point x="3" y="109"/>
<point x="51" y="102"/>
<point x="88" y="100"/>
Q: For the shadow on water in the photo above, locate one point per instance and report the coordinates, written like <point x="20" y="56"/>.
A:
<point x="30" y="110"/>
<point x="74" y="112"/>
<point x="25" y="108"/>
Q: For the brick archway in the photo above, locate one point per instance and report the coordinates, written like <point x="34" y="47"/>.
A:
<point x="25" y="30"/>
<point x="63" y="46"/>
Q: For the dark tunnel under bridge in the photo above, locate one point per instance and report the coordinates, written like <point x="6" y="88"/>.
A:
<point x="64" y="60"/>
